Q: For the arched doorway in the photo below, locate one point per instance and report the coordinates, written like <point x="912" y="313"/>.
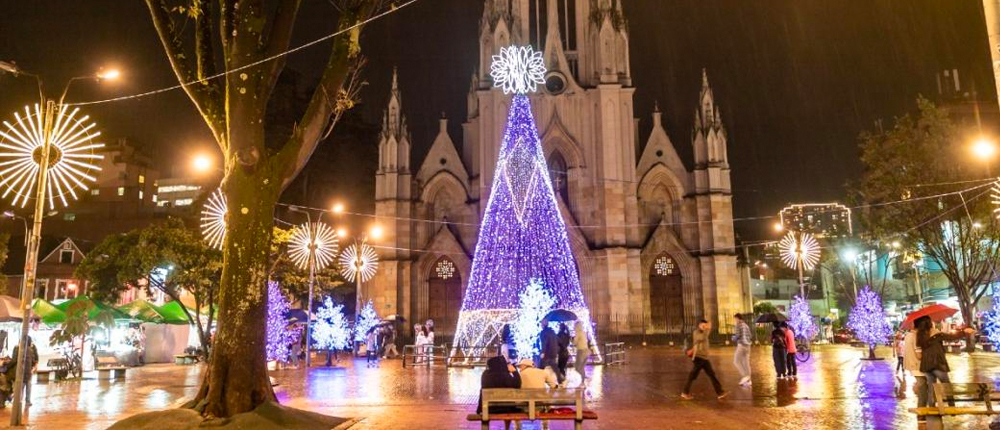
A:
<point x="666" y="296"/>
<point x="444" y="297"/>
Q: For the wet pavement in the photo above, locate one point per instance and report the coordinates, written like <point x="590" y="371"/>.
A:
<point x="834" y="390"/>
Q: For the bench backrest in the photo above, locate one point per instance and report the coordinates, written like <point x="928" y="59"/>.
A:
<point x="534" y="397"/>
<point x="974" y="392"/>
<point x="107" y="360"/>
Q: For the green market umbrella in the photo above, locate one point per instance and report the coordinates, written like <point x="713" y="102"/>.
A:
<point x="95" y="309"/>
<point x="172" y="313"/>
<point x="142" y="310"/>
<point x="47" y="312"/>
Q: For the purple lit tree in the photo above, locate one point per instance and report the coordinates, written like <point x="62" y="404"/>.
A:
<point x="868" y="322"/>
<point x="991" y="319"/>
<point x="522" y="237"/>
<point x="800" y="319"/>
<point x="279" y="334"/>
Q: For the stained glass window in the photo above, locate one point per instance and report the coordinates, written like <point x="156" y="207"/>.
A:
<point x="445" y="269"/>
<point x="665" y="266"/>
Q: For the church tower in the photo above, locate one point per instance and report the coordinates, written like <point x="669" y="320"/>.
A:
<point x="393" y="207"/>
<point x="714" y="200"/>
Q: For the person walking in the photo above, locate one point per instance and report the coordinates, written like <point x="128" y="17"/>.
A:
<point x="791" y="366"/>
<point x="429" y="340"/>
<point x="549" y="350"/>
<point x="699" y="356"/>
<point x="564" y="340"/>
<point x="741" y="358"/>
<point x="899" y="350"/>
<point x="419" y="341"/>
<point x="389" y="348"/>
<point x="779" y="353"/>
<point x="911" y="362"/>
<point x="30" y="368"/>
<point x="582" y="345"/>
<point x="933" y="362"/>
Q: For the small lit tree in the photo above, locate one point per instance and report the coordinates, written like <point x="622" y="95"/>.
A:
<point x="367" y="319"/>
<point x="868" y="322"/>
<point x="991" y="319"/>
<point x="279" y="334"/>
<point x="331" y="331"/>
<point x="800" y="319"/>
<point x="535" y="302"/>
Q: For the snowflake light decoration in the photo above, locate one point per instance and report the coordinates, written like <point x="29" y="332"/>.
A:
<point x="799" y="248"/>
<point x="72" y="157"/>
<point x="316" y="241"/>
<point x="358" y="265"/>
<point x="995" y="196"/>
<point x="518" y="69"/>
<point x="213" y="219"/>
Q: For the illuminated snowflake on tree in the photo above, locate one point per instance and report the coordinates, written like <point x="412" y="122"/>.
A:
<point x="213" y="219"/>
<point x="313" y="241"/>
<point x="518" y="69"/>
<point x="801" y="247"/>
<point x="72" y="156"/>
<point x="358" y="266"/>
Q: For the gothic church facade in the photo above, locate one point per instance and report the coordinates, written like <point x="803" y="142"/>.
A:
<point x="653" y="239"/>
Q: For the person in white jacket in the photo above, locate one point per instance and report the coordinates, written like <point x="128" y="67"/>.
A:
<point x="911" y="362"/>
<point x="582" y="345"/>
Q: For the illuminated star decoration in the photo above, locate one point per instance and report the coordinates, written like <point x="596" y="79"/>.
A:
<point x="316" y="241"/>
<point x="358" y="265"/>
<point x="995" y="195"/>
<point x="72" y="157"/>
<point x="518" y="69"/>
<point x="213" y="219"/>
<point x="805" y="248"/>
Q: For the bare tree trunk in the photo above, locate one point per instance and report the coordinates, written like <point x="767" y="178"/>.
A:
<point x="237" y="379"/>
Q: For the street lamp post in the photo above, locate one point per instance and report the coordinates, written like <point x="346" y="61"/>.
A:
<point x="313" y="247"/>
<point x="42" y="156"/>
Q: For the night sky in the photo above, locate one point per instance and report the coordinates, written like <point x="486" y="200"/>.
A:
<point x="797" y="80"/>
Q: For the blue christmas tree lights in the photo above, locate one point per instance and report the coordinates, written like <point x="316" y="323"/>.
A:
<point x="868" y="321"/>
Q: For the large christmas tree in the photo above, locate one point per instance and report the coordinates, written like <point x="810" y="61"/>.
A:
<point x="522" y="238"/>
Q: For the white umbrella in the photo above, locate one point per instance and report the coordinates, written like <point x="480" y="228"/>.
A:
<point x="10" y="309"/>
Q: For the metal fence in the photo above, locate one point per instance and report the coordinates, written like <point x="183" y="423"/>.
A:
<point x="614" y="353"/>
<point x="425" y="355"/>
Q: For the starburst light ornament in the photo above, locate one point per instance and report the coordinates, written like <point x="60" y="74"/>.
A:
<point x="995" y="196"/>
<point x="213" y="219"/>
<point x="72" y="155"/>
<point x="518" y="69"/>
<point x="801" y="247"/>
<point x="316" y="241"/>
<point x="358" y="264"/>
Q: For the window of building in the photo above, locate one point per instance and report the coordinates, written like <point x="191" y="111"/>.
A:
<point x="178" y="188"/>
<point x="183" y="202"/>
<point x="142" y="179"/>
<point x="95" y="192"/>
<point x="66" y="257"/>
<point x="140" y="194"/>
<point x="69" y="216"/>
<point x="154" y="198"/>
<point x="163" y="203"/>
<point x="121" y="191"/>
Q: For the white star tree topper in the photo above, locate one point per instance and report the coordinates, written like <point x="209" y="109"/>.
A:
<point x="518" y="70"/>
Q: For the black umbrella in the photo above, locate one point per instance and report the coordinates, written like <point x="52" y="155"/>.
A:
<point x="560" y="315"/>
<point x="771" y="317"/>
<point x="395" y="318"/>
<point x="379" y="325"/>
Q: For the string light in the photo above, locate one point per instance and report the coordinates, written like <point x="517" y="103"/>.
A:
<point x="213" y="219"/>
<point x="800" y="318"/>
<point x="522" y="240"/>
<point x="331" y="330"/>
<point x="991" y="319"/>
<point x="313" y="240"/>
<point x="72" y="157"/>
<point x="799" y="248"/>
<point x="867" y="319"/>
<point x="367" y="318"/>
<point x="279" y="334"/>
<point x="995" y="197"/>
<point x="358" y="264"/>
<point x="535" y="302"/>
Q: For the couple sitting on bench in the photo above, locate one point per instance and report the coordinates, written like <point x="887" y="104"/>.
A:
<point x="501" y="374"/>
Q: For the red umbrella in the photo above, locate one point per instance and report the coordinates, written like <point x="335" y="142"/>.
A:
<point x="937" y="313"/>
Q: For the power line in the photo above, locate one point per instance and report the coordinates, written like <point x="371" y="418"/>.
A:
<point x="250" y="65"/>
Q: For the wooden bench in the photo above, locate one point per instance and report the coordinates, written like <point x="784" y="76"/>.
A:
<point x="109" y="368"/>
<point x="185" y="359"/>
<point x="532" y="400"/>
<point x="980" y="395"/>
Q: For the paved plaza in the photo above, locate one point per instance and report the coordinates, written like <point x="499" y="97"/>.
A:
<point x="835" y="390"/>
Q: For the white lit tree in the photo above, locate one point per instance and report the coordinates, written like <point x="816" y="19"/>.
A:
<point x="367" y="319"/>
<point x="331" y="330"/>
<point x="535" y="302"/>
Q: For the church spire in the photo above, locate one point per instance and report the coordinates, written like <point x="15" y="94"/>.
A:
<point x="709" y="136"/>
<point x="394" y="142"/>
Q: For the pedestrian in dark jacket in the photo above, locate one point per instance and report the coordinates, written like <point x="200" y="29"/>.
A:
<point x="564" y="339"/>
<point x="930" y="350"/>
<point x="549" y="348"/>
<point x="779" y="351"/>
<point x="499" y="374"/>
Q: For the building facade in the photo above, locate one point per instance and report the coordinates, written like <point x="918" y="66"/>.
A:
<point x="823" y="220"/>
<point x="653" y="239"/>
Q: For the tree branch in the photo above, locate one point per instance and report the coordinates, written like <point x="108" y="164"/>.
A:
<point x="277" y="41"/>
<point x="201" y="94"/>
<point x="323" y="104"/>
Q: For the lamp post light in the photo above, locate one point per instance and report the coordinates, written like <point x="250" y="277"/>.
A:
<point x="47" y="153"/>
<point x="359" y="262"/>
<point x="851" y="256"/>
<point x="313" y="246"/>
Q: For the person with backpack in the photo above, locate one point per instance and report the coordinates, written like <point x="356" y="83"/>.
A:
<point x="779" y="350"/>
<point x="699" y="356"/>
